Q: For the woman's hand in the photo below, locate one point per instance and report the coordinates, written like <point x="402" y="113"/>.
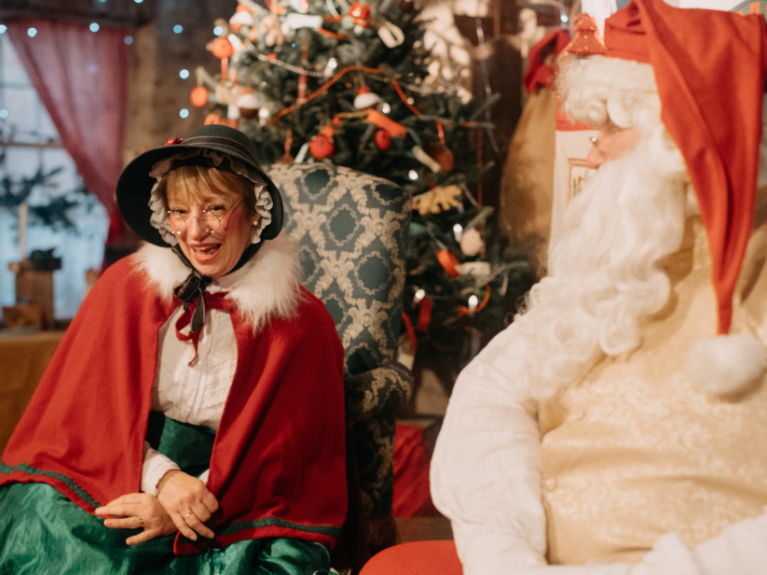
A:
<point x="137" y="510"/>
<point x="188" y="502"/>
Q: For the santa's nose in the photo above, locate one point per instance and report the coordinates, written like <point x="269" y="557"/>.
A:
<point x="611" y="143"/>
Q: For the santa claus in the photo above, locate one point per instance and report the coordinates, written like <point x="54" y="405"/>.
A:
<point x="619" y="425"/>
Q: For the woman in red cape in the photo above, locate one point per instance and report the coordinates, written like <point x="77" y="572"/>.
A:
<point x="192" y="419"/>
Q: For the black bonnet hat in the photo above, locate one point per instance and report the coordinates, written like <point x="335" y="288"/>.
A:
<point x="135" y="184"/>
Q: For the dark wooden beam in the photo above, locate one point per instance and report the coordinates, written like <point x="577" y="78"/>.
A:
<point x="122" y="13"/>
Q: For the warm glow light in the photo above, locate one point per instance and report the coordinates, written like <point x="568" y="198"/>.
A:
<point x="413" y="175"/>
<point x="386" y="108"/>
<point x="473" y="302"/>
<point x="458" y="232"/>
<point x="263" y="112"/>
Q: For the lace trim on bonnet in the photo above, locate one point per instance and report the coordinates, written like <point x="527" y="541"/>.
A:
<point x="159" y="217"/>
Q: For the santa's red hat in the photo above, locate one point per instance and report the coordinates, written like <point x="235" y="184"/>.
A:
<point x="709" y="68"/>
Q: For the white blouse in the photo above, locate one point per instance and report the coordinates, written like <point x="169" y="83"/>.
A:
<point x="192" y="394"/>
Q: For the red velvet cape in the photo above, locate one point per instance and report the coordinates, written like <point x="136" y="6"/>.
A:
<point x="278" y="461"/>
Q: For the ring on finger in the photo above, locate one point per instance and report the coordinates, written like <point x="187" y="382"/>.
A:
<point x="140" y="521"/>
<point x="187" y="516"/>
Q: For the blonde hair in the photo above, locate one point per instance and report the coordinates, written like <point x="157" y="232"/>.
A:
<point x="189" y="180"/>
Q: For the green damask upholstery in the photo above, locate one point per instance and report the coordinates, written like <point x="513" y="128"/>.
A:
<point x="352" y="229"/>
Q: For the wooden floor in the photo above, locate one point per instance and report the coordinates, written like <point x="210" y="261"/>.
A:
<point x="422" y="529"/>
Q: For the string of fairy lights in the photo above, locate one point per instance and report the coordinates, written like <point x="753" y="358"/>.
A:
<point x="333" y="75"/>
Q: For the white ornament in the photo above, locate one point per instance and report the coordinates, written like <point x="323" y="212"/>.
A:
<point x="302" y="153"/>
<point x="390" y="34"/>
<point x="236" y="43"/>
<point x="296" y="21"/>
<point x="249" y="101"/>
<point x="476" y="269"/>
<point x="472" y="243"/>
<point x="273" y="33"/>
<point x="241" y="19"/>
<point x="366" y="100"/>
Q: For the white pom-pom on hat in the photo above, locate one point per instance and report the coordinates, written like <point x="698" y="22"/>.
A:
<point x="726" y="364"/>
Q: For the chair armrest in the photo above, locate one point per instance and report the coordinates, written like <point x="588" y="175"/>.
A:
<point x="378" y="393"/>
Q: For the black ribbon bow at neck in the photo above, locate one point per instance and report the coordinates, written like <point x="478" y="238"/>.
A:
<point x="193" y="287"/>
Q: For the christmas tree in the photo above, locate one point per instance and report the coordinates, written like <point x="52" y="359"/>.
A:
<point x="349" y="83"/>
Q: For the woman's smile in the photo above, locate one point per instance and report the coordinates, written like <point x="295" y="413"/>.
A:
<point x="205" y="252"/>
<point x="213" y="252"/>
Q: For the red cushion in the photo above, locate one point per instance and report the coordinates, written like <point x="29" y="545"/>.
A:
<point x="412" y="496"/>
<point x="417" y="558"/>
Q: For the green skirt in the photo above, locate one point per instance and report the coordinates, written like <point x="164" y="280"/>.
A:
<point x="41" y="531"/>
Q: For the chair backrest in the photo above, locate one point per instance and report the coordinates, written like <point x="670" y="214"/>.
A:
<point x="352" y="229"/>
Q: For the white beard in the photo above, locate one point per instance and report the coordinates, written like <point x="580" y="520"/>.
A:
<point x="604" y="275"/>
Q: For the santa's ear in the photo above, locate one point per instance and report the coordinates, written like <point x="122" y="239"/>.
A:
<point x="726" y="364"/>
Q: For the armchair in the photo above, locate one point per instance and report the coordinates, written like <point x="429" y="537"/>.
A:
<point x="352" y="229"/>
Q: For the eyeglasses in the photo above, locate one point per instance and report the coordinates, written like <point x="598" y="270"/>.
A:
<point x="210" y="219"/>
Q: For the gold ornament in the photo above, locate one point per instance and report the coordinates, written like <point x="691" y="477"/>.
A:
<point x="437" y="200"/>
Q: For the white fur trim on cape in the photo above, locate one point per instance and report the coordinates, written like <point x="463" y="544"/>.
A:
<point x="726" y="364"/>
<point x="270" y="287"/>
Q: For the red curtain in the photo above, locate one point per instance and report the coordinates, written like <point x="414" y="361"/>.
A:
<point x="82" y="79"/>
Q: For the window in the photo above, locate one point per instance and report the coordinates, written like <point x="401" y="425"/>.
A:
<point x="63" y="217"/>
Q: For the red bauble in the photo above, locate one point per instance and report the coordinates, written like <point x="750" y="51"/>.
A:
<point x="321" y="146"/>
<point x="383" y="139"/>
<point x="442" y="154"/>
<point x="359" y="14"/>
<point x="222" y="48"/>
<point x="448" y="261"/>
<point x="199" y="96"/>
